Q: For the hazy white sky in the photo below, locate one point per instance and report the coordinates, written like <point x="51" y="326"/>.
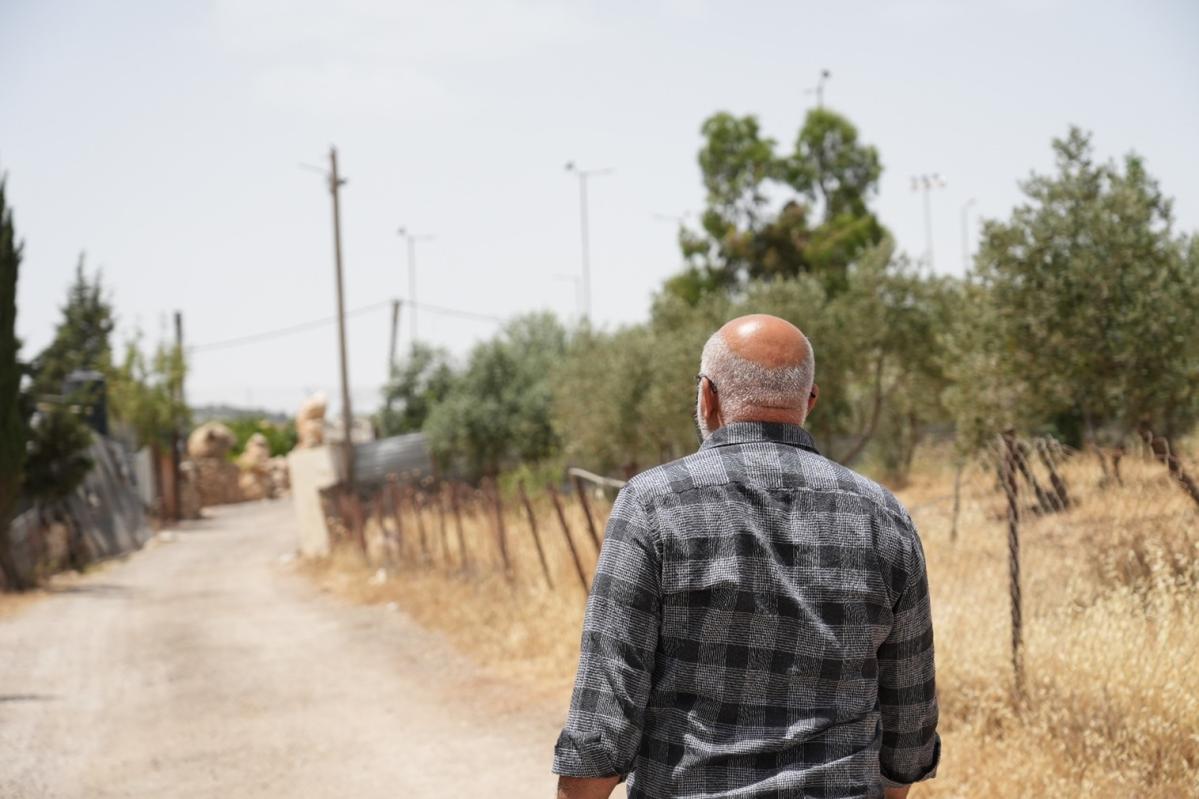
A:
<point x="165" y="140"/>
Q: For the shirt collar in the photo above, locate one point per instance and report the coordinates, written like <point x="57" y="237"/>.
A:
<point x="754" y="432"/>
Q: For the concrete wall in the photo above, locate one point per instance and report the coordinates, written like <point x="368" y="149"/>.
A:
<point x="143" y="473"/>
<point x="311" y="470"/>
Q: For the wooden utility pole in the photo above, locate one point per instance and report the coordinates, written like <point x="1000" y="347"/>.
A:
<point x="174" y="509"/>
<point x="335" y="184"/>
<point x="179" y="343"/>
<point x="395" y="325"/>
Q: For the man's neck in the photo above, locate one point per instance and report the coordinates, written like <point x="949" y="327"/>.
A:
<point x="762" y="413"/>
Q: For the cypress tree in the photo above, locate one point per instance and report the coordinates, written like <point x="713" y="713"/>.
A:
<point x="12" y="428"/>
<point x="83" y="337"/>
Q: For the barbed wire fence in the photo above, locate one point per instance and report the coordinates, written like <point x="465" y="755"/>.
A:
<point x="985" y="577"/>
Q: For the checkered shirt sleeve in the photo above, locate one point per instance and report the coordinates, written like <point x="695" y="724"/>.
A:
<point x="907" y="693"/>
<point x="616" y="661"/>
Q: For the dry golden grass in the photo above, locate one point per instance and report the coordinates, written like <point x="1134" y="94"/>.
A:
<point x="1111" y="625"/>
<point x="1111" y="606"/>
<point x="518" y="626"/>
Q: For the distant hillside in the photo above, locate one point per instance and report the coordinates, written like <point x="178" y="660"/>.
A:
<point x="207" y="413"/>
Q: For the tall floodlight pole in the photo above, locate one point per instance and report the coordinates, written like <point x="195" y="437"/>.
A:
<point x="576" y="283"/>
<point x="412" y="239"/>
<point x="926" y="183"/>
<point x="395" y="327"/>
<point x="583" y="175"/>
<point x="335" y="184"/>
<point x="818" y="89"/>
<point x="966" y="235"/>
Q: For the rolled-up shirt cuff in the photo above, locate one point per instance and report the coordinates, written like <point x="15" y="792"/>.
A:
<point x="927" y="774"/>
<point x="583" y="756"/>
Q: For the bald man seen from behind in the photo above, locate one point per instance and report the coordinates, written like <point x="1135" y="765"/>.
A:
<point x="759" y="621"/>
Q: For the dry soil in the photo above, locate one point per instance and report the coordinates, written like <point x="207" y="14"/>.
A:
<point x="204" y="667"/>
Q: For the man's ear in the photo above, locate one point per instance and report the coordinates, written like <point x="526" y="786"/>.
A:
<point x="815" y="395"/>
<point x="709" y="404"/>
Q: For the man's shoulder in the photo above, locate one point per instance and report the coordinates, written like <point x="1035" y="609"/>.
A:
<point x="799" y="469"/>
<point x="849" y="481"/>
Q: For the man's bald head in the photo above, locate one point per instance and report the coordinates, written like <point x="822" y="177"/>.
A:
<point x="768" y="341"/>
<point x="762" y="368"/>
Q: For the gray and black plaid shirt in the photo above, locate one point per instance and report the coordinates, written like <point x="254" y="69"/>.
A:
<point x="759" y="627"/>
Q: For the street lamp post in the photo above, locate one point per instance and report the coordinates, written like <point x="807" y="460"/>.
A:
<point x="818" y="90"/>
<point x="412" y="239"/>
<point x="576" y="284"/>
<point x="583" y="175"/>
<point x="926" y="183"/>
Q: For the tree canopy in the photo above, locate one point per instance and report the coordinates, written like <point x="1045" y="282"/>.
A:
<point x="496" y="414"/>
<point x="417" y="384"/>
<point x="83" y="337"/>
<point x="772" y="215"/>
<point x="144" y="395"/>
<point x="1078" y="316"/>
<point x="1081" y="313"/>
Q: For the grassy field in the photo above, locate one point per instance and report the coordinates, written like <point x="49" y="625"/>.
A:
<point x="1111" y="610"/>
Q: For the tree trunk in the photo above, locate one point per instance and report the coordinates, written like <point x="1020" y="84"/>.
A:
<point x="875" y="414"/>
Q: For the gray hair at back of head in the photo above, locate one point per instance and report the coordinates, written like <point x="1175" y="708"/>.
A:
<point x="742" y="384"/>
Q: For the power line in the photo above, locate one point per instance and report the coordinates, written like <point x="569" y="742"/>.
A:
<point x="441" y="309"/>
<point x="266" y="335"/>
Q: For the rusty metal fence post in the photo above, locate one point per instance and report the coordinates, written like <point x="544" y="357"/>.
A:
<point x="414" y="502"/>
<point x="574" y="553"/>
<point x="397" y="519"/>
<point x="1059" y="485"/>
<point x="524" y="498"/>
<point x="352" y="509"/>
<point x="957" y="498"/>
<point x="1011" y="488"/>
<point x="492" y="495"/>
<point x="445" y="534"/>
<point x="581" y="490"/>
<point x="457" y="508"/>
<point x="1160" y="446"/>
<point x="1046" y="502"/>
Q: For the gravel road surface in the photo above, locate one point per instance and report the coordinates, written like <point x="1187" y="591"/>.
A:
<point x="203" y="667"/>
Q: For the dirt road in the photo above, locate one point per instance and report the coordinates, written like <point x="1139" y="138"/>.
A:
<point x="202" y="667"/>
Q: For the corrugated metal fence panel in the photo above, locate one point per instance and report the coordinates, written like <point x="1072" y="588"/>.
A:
<point x="107" y="507"/>
<point x="105" y="511"/>
<point x="400" y="455"/>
